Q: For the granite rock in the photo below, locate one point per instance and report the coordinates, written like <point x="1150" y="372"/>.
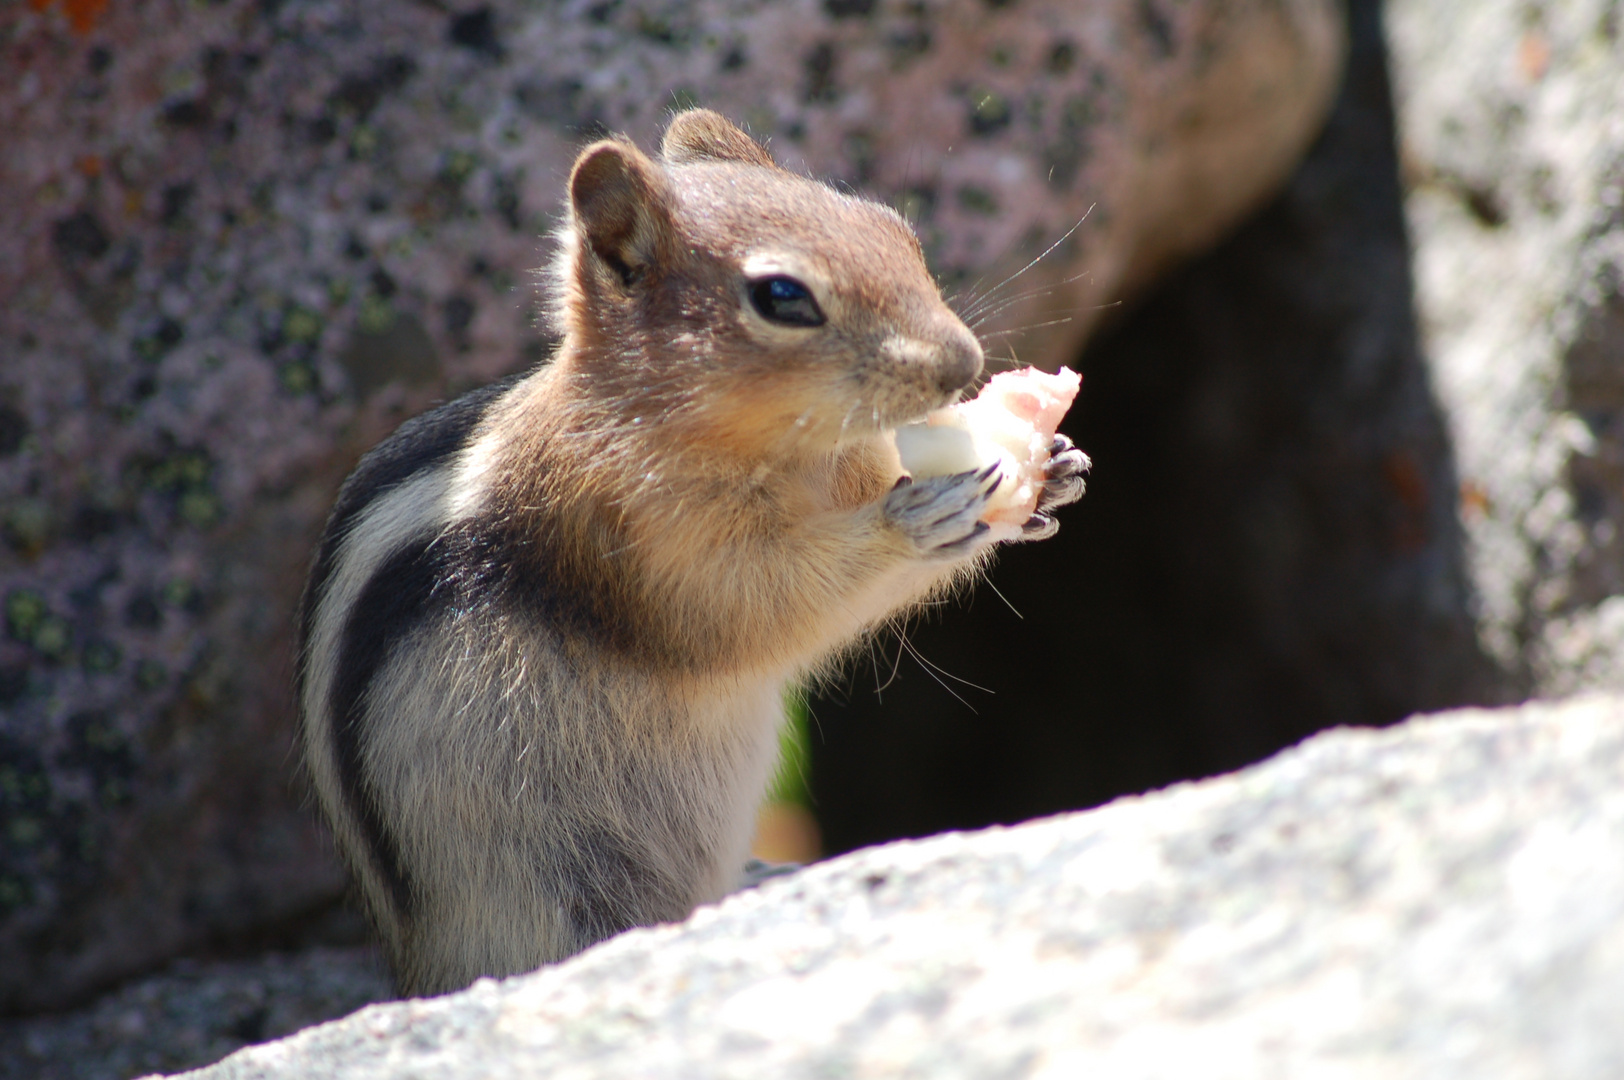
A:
<point x="1440" y="899"/>
<point x="240" y="241"/>
<point x="1511" y="117"/>
<point x="192" y="1013"/>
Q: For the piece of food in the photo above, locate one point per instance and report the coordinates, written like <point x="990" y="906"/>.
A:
<point x="1011" y="422"/>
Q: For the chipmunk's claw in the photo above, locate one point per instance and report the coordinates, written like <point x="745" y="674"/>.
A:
<point x="941" y="514"/>
<point x="968" y="544"/>
<point x="1063" y="476"/>
<point x="1039" y="526"/>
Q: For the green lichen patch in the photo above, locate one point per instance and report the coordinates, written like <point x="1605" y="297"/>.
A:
<point x="100" y="657"/>
<point x="102" y="754"/>
<point x="300" y="325"/>
<point x="916" y="204"/>
<point x="363" y="142"/>
<point x="200" y="508"/>
<point x="298" y="377"/>
<point x="457" y="166"/>
<point x="376" y="316"/>
<point x="822" y="85"/>
<point x="15" y="893"/>
<point x="977" y="200"/>
<point x="182" y="476"/>
<point x="401" y="351"/>
<point x="14" y="430"/>
<point x="164" y="336"/>
<point x="25" y="798"/>
<point x="178" y="471"/>
<point x="1062" y="57"/>
<point x="990" y="113"/>
<point x="150" y="675"/>
<point x="183" y="595"/>
<point x="53" y="638"/>
<point x="25" y="611"/>
<point x="27" y="526"/>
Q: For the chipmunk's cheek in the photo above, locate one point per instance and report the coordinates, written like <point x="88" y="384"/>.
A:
<point x="770" y="412"/>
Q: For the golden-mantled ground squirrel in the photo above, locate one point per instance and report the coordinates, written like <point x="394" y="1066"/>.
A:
<point x="547" y="635"/>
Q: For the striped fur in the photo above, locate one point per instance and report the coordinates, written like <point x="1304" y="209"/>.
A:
<point x="547" y="633"/>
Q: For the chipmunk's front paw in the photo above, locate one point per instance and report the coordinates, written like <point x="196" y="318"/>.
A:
<point x="1062" y="484"/>
<point x="941" y="514"/>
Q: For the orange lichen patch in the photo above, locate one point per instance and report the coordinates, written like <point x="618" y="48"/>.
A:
<point x="89" y="165"/>
<point x="1533" y="56"/>
<point x="82" y="14"/>
<point x="1474" y="501"/>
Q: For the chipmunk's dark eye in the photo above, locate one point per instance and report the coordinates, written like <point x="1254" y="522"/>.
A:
<point x="784" y="300"/>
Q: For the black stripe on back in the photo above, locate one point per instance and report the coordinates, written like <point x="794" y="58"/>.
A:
<point x="420" y="443"/>
<point x="404" y="595"/>
<point x="463" y="572"/>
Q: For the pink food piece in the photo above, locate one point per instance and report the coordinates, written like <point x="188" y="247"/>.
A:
<point x="1019" y="411"/>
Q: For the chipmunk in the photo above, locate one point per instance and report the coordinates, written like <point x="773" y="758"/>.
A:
<point x="547" y="634"/>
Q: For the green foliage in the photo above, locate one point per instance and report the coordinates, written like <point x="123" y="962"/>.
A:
<point x="790" y="781"/>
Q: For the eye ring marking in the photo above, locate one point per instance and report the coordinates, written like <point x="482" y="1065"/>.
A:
<point x="781" y="299"/>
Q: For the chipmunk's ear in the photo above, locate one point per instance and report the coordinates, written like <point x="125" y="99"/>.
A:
<point x="621" y="205"/>
<point x="702" y="135"/>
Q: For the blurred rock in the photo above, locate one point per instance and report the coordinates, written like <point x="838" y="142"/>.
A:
<point x="240" y="241"/>
<point x="1269" y="545"/>
<point x="1512" y="124"/>
<point x="1439" y="900"/>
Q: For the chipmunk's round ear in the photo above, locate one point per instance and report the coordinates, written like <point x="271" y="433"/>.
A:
<point x="702" y="135"/>
<point x="621" y="207"/>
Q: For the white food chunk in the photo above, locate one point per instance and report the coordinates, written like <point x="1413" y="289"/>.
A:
<point x="1011" y="423"/>
<point x="946" y="448"/>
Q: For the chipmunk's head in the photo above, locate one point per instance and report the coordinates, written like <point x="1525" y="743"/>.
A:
<point x="712" y="287"/>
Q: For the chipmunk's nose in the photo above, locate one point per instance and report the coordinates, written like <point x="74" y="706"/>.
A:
<point x="960" y="361"/>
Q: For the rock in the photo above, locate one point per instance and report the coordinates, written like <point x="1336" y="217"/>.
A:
<point x="1512" y="125"/>
<point x="1441" y="899"/>
<point x="239" y="243"/>
<point x="192" y="1014"/>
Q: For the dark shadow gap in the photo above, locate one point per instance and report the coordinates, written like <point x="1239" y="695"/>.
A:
<point x="1268" y="547"/>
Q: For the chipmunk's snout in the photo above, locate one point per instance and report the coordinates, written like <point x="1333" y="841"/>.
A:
<point x="960" y="362"/>
<point x="927" y="371"/>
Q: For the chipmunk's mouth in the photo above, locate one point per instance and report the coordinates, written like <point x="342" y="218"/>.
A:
<point x="911" y="405"/>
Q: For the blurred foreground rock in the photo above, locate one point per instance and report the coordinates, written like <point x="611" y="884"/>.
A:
<point x="1443" y="899"/>
<point x="239" y="241"/>
<point x="1511" y="118"/>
